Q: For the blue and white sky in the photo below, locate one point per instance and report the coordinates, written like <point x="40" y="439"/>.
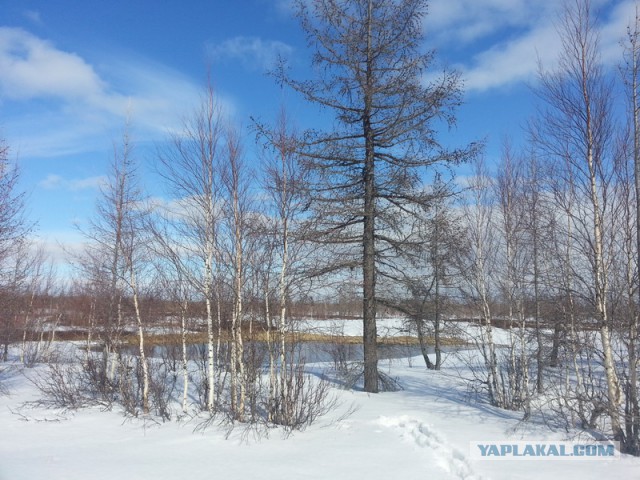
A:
<point x="71" y="71"/>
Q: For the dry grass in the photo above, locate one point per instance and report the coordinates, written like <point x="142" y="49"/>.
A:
<point x="156" y="339"/>
<point x="261" y="336"/>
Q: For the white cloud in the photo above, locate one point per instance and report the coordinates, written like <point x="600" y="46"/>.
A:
<point x="156" y="96"/>
<point x="461" y="22"/>
<point x="615" y="30"/>
<point x="32" y="68"/>
<point x="59" y="246"/>
<point x="252" y="52"/>
<point x="54" y="182"/>
<point x="93" y="183"/>
<point x="287" y="7"/>
<point x="33" y="16"/>
<point x="515" y="59"/>
<point x="51" y="182"/>
<point x="63" y="104"/>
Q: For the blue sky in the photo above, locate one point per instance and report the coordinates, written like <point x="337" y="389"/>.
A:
<point x="70" y="71"/>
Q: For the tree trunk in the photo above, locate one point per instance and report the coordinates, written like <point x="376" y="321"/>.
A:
<point x="283" y="315"/>
<point x="424" y="348"/>
<point x="633" y="408"/>
<point x="369" y="330"/>
<point x="143" y="357"/>
<point x="185" y="362"/>
<point x="272" y="360"/>
<point x="208" y="282"/>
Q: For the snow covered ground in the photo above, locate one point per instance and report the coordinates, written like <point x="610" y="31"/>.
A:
<point x="423" y="431"/>
<point x="387" y="327"/>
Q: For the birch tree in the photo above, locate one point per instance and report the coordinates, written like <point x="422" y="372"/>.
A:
<point x="190" y="166"/>
<point x="102" y="262"/>
<point x="539" y="223"/>
<point x="133" y="245"/>
<point x="178" y="288"/>
<point x="631" y="72"/>
<point x="575" y="123"/>
<point x="113" y="263"/>
<point x="284" y="181"/>
<point x="236" y="181"/>
<point x="477" y="261"/>
<point x="514" y="258"/>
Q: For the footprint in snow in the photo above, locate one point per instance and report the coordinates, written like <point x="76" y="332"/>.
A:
<point x="448" y="457"/>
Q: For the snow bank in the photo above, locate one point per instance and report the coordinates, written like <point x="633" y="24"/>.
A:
<point x="423" y="431"/>
<point x="387" y="327"/>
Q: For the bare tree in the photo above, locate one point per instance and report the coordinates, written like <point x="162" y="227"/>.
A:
<point x="284" y="181"/>
<point x="575" y="124"/>
<point x="40" y="279"/>
<point x="13" y="224"/>
<point x="236" y="180"/>
<point x="101" y="261"/>
<point x="477" y="261"/>
<point x="367" y="171"/>
<point x="515" y="257"/>
<point x="623" y="290"/>
<point x="429" y="274"/>
<point x="631" y="72"/>
<point x="190" y="167"/>
<point x="539" y="224"/>
<point x="13" y="231"/>
<point x="175" y="278"/>
<point x="114" y="263"/>
<point x="133" y="245"/>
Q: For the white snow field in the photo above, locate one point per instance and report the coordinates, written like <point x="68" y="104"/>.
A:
<point x="423" y="431"/>
<point x="387" y="327"/>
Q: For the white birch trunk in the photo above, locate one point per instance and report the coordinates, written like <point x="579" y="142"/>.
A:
<point x="219" y="339"/>
<point x="143" y="358"/>
<point x="283" y="309"/>
<point x="613" y="385"/>
<point x="112" y="353"/>
<point x="185" y="361"/>
<point x="272" y="359"/>
<point x="208" y="281"/>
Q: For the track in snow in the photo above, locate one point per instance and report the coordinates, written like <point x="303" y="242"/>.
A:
<point x="448" y="458"/>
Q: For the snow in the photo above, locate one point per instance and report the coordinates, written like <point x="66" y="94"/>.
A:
<point x="423" y="431"/>
<point x="387" y="327"/>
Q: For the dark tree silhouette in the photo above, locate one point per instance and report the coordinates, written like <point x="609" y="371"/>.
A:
<point x="369" y="169"/>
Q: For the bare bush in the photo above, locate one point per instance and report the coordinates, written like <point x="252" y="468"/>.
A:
<point x="353" y="375"/>
<point x="62" y="386"/>
<point x="305" y="400"/>
<point x="3" y="388"/>
<point x="162" y="387"/>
